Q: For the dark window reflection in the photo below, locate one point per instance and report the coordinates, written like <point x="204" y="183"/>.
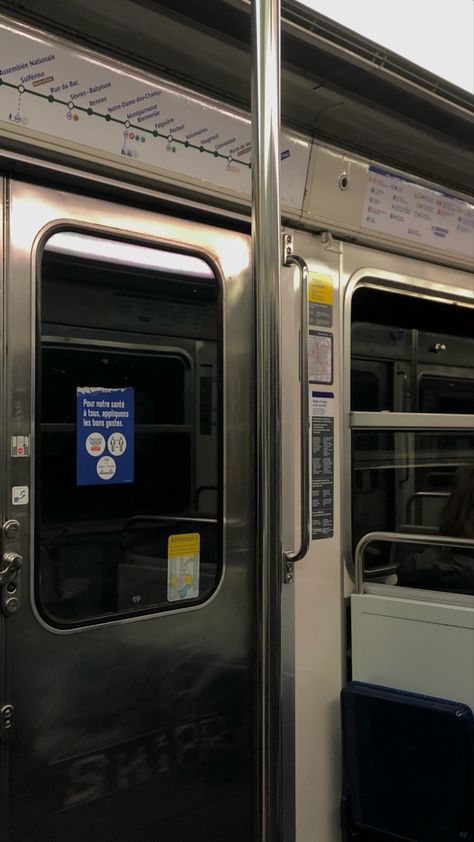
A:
<point x="102" y="550"/>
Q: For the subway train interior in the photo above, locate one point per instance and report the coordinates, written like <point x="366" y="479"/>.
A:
<point x="237" y="450"/>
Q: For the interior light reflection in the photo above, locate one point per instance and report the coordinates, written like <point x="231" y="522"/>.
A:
<point x="128" y="254"/>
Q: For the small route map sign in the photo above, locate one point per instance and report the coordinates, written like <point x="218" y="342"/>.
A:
<point x="105" y="435"/>
<point x="320" y="357"/>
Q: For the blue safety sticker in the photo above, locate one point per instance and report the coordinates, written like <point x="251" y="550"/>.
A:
<point x="105" y="435"/>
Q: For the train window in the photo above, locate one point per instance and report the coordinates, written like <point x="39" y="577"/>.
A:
<point x="419" y="351"/>
<point x="412" y="431"/>
<point x="129" y="519"/>
<point x="365" y="389"/>
<point x="446" y="394"/>
<point x="401" y="480"/>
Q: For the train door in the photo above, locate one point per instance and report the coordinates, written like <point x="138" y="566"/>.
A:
<point x="129" y="691"/>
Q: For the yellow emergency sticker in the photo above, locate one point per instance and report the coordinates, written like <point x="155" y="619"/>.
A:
<point x="181" y="545"/>
<point x="319" y="288"/>
<point x="183" y="566"/>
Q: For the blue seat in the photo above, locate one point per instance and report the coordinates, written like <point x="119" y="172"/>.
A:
<point x="408" y="766"/>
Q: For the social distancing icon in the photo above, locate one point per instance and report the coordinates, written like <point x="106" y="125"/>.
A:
<point x="117" y="443"/>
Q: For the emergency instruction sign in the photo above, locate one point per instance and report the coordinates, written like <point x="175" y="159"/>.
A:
<point x="105" y="435"/>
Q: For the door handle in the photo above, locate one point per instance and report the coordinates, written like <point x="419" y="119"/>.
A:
<point x="12" y="564"/>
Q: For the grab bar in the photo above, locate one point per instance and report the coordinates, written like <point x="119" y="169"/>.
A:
<point x="401" y="538"/>
<point x="297" y="555"/>
<point x="422" y="495"/>
<point x="167" y="519"/>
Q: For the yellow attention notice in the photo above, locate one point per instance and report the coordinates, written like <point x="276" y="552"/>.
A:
<point x="183" y="566"/>
<point x="319" y="288"/>
<point x="183" y="545"/>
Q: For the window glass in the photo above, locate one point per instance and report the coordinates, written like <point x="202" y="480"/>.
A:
<point x="151" y="374"/>
<point x="365" y="389"/>
<point x="446" y="394"/>
<point x="419" y="352"/>
<point x="413" y="354"/>
<point x="402" y="482"/>
<point x="126" y="334"/>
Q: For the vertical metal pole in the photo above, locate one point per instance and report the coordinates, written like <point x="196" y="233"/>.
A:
<point x="266" y="265"/>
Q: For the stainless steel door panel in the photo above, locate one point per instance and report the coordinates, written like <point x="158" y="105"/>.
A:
<point x="138" y="729"/>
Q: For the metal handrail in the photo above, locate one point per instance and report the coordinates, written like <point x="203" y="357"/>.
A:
<point x="168" y="519"/>
<point x="401" y="538"/>
<point x="297" y="555"/>
<point x="423" y="495"/>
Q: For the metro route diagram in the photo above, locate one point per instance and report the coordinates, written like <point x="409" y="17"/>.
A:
<point x="127" y="124"/>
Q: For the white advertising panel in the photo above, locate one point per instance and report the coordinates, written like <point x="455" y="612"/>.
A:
<point x="406" y="210"/>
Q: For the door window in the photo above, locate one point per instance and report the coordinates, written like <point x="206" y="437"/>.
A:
<point x="129" y="515"/>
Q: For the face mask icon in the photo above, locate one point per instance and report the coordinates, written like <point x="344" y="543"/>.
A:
<point x="95" y="444"/>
